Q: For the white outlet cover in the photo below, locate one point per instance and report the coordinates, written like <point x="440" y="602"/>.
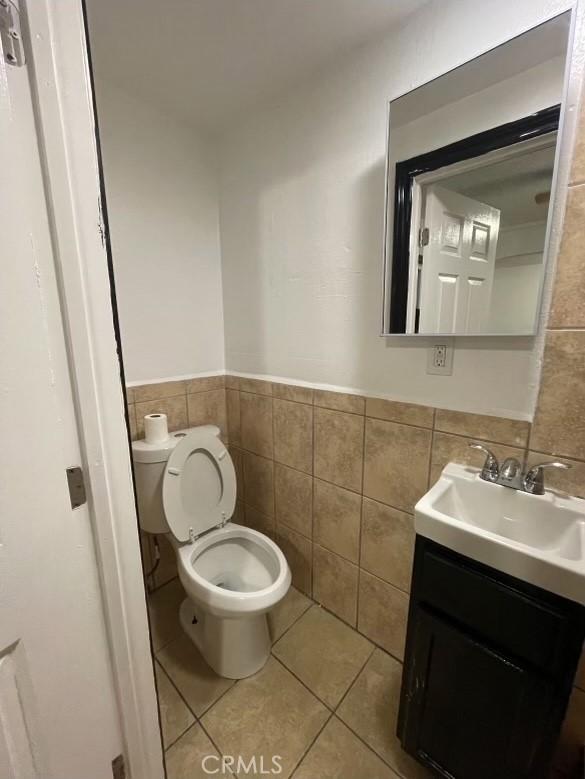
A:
<point x="447" y="369"/>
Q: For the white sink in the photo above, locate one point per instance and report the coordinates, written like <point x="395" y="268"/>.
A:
<point x="537" y="538"/>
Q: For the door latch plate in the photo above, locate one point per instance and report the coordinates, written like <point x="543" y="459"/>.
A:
<point x="76" y="486"/>
<point x="10" y="33"/>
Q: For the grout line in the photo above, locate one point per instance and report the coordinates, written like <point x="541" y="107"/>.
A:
<point x="371" y="748"/>
<point x="298" y="678"/>
<point x="310" y="746"/>
<point x="355" y="678"/>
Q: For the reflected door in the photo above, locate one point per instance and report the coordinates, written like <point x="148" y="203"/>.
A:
<point x="457" y="263"/>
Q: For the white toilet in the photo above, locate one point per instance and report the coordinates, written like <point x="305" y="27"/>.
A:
<point x="233" y="575"/>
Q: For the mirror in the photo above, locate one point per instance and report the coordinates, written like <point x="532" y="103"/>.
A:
<point x="471" y="160"/>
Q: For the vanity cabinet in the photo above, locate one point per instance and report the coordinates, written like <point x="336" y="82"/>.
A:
<point x="489" y="667"/>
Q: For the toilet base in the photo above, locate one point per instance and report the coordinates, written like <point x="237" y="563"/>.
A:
<point x="234" y="648"/>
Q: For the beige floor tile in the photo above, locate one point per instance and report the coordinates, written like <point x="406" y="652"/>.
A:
<point x="186" y="758"/>
<point x="198" y="684"/>
<point x="371" y="707"/>
<point x="569" y="750"/>
<point x="269" y="714"/>
<point x="324" y="653"/>
<point x="383" y="613"/>
<point x="339" y="754"/>
<point x="284" y="614"/>
<point x="175" y="717"/>
<point x="163" y="608"/>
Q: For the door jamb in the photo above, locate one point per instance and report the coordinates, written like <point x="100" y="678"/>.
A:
<point x="62" y="96"/>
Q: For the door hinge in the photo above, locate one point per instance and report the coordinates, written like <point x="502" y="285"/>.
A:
<point x="76" y="486"/>
<point x="118" y="768"/>
<point x="423" y="237"/>
<point x="10" y="33"/>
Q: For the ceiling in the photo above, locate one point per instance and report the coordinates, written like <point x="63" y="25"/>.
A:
<point x="208" y="60"/>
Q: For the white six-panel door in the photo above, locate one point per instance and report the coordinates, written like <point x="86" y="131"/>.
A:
<point x="458" y="263"/>
<point x="58" y="713"/>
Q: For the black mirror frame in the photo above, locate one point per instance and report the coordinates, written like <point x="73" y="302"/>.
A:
<point x="539" y="123"/>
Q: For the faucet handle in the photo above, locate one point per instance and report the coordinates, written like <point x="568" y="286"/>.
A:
<point x="534" y="478"/>
<point x="491" y="468"/>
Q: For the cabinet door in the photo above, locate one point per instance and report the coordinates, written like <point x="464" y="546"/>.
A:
<point x="469" y="712"/>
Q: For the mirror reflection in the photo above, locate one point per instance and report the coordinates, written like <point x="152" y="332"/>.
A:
<point x="468" y="212"/>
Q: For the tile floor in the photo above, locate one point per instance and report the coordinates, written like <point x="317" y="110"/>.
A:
<point x="326" y="701"/>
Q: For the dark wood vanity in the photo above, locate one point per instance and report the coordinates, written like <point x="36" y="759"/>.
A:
<point x="489" y="667"/>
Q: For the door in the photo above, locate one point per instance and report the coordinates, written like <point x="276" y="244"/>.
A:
<point x="458" y="263"/>
<point x="58" y="713"/>
<point x="469" y="711"/>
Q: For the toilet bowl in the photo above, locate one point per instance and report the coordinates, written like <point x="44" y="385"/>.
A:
<point x="232" y="575"/>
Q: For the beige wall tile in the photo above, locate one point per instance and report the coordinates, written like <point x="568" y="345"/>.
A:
<point x="207" y="408"/>
<point x="339" y="401"/>
<point x="132" y="421"/>
<point x="259" y="483"/>
<point x="293" y="434"/>
<point x="383" y="613"/>
<point x="258" y="521"/>
<point x="293" y="494"/>
<point x="567" y="309"/>
<point x="162" y="389"/>
<point x="453" y="448"/>
<point x="232" y="382"/>
<point x="258" y="386"/>
<point x="239" y="515"/>
<point x="130" y="398"/>
<point x="406" y="413"/>
<point x="238" y="461"/>
<point x="396" y="463"/>
<point x="205" y="383"/>
<point x="299" y="553"/>
<point x="387" y="548"/>
<point x="324" y="654"/>
<point x="338" y="440"/>
<point x="511" y="432"/>
<point x="571" y="482"/>
<point x="336" y="519"/>
<point x="335" y="584"/>
<point x="167" y="566"/>
<point x="293" y="392"/>
<point x="339" y="754"/>
<point x="559" y="422"/>
<point x="256" y="423"/>
<point x="174" y="407"/>
<point x="577" y="174"/>
<point x="232" y="402"/>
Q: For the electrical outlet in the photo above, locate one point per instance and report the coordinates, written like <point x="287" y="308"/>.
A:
<point x="440" y="358"/>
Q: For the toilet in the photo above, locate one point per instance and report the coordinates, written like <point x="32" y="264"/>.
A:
<point x="233" y="575"/>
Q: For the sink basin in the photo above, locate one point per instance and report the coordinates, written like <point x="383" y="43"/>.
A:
<point x="537" y="538"/>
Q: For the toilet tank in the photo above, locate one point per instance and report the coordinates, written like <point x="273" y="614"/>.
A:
<point x="149" y="468"/>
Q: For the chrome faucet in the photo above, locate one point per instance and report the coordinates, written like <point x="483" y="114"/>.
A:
<point x="510" y="474"/>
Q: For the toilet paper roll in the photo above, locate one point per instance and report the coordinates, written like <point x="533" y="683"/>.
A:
<point x="156" y="430"/>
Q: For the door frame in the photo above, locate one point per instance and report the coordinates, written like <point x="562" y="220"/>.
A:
<point x="63" y="102"/>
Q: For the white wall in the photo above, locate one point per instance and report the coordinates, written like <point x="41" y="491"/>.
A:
<point x="161" y="189"/>
<point x="302" y="196"/>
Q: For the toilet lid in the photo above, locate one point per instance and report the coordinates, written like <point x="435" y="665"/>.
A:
<point x="199" y="485"/>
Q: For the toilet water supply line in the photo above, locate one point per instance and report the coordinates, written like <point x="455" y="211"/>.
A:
<point x="150" y="574"/>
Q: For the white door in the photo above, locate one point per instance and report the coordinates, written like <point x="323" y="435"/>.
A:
<point x="58" y="713"/>
<point x="458" y="263"/>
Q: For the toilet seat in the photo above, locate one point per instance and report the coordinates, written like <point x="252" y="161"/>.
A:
<point x="199" y="486"/>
